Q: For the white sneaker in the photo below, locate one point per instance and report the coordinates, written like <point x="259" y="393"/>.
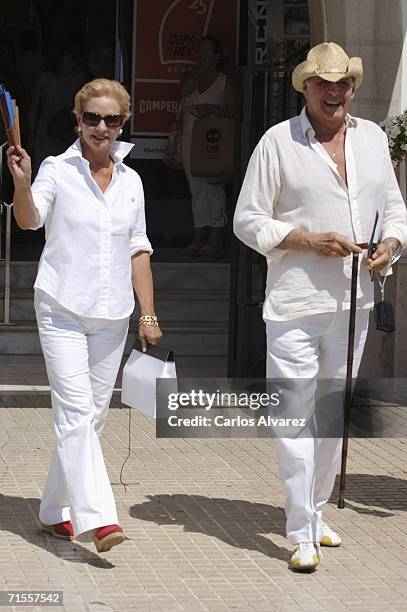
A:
<point x="306" y="557"/>
<point x="329" y="537"/>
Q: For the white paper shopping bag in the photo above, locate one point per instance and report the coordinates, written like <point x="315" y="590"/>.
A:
<point x="140" y="374"/>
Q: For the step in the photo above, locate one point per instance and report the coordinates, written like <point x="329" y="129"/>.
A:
<point x="176" y="275"/>
<point x="195" y="275"/>
<point x="191" y="305"/>
<point x="173" y="304"/>
<point x="22" y="273"/>
<point x="192" y="301"/>
<point x="185" y="338"/>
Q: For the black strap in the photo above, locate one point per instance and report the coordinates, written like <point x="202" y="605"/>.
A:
<point x="159" y="352"/>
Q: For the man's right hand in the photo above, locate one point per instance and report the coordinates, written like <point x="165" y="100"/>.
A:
<point x="19" y="164"/>
<point x="327" y="244"/>
<point x="331" y="244"/>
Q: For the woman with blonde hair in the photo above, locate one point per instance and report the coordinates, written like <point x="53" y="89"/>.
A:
<point x="96" y="251"/>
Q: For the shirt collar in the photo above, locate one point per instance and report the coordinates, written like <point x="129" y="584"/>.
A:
<point x="118" y="150"/>
<point x="308" y="130"/>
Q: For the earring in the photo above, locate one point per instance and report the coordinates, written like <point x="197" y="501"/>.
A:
<point x="78" y="129"/>
<point x="120" y="132"/>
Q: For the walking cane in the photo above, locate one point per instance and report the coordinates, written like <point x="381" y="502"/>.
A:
<point x="371" y="247"/>
<point x="349" y="368"/>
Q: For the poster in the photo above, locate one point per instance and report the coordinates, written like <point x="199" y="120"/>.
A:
<point x="166" y="39"/>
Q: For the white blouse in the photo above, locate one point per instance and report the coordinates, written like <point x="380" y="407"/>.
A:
<point x="90" y="235"/>
<point x="215" y="94"/>
<point x="291" y="182"/>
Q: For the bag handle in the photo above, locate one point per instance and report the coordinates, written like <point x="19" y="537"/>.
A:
<point x="159" y="352"/>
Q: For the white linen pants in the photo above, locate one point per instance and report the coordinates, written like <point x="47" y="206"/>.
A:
<point x="311" y="347"/>
<point x="82" y="357"/>
<point x="208" y="202"/>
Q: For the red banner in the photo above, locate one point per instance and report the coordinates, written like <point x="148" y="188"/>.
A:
<point x="167" y="36"/>
<point x="154" y="107"/>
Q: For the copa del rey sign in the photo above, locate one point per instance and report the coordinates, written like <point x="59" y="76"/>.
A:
<point x="166" y="41"/>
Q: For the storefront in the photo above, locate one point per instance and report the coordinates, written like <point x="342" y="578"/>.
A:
<point x="149" y="46"/>
<point x="52" y="47"/>
<point x="166" y="41"/>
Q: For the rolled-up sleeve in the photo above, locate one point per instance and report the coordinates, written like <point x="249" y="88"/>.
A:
<point x="394" y="209"/>
<point x="138" y="238"/>
<point x="253" y="221"/>
<point x="44" y="189"/>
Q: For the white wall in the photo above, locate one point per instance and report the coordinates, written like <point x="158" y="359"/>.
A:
<point x="374" y="30"/>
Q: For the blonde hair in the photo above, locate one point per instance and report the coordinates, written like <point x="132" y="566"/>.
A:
<point x="103" y="87"/>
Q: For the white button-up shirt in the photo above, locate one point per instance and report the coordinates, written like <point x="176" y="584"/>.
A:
<point x="90" y="235"/>
<point x="291" y="182"/>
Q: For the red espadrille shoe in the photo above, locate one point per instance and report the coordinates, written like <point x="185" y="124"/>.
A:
<point x="63" y="531"/>
<point x="108" y="536"/>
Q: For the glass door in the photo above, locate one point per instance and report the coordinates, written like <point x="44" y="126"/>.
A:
<point x="277" y="40"/>
<point x="177" y="97"/>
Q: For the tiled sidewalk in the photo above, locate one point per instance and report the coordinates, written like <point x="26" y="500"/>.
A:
<point x="204" y="520"/>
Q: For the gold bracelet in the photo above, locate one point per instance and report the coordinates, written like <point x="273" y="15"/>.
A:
<point x="148" y="320"/>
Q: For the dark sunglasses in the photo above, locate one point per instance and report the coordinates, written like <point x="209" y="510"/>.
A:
<point x="93" y="119"/>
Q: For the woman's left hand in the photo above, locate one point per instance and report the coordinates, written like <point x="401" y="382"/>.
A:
<point x="149" y="334"/>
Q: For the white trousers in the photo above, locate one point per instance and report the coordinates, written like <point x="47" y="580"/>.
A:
<point x="311" y="347"/>
<point x="208" y="202"/>
<point x="82" y="357"/>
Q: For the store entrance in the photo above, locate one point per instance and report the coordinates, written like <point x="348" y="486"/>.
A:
<point x="184" y="56"/>
<point x="279" y="38"/>
<point x="51" y="47"/>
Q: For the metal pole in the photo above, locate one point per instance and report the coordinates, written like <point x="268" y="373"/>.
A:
<point x="1" y="191"/>
<point x="118" y="69"/>
<point x="7" y="279"/>
<point x="1" y="225"/>
<point x="349" y="371"/>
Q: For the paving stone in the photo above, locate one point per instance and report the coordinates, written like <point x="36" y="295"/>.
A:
<point x="205" y="520"/>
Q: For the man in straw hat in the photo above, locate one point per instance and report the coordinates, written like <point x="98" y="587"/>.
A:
<point x="309" y="197"/>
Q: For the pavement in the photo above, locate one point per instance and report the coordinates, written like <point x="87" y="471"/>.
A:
<point x="204" y="518"/>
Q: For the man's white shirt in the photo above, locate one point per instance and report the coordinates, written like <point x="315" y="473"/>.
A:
<point x="90" y="235"/>
<point x="292" y="183"/>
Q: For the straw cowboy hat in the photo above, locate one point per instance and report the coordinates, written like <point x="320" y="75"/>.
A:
<point x="330" y="62"/>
